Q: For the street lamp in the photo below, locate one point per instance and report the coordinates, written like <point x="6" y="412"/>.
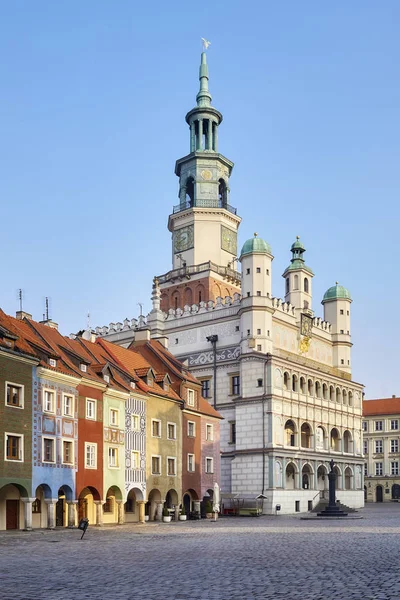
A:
<point x="213" y="339"/>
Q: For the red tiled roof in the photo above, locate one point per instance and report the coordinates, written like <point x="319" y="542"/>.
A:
<point x="381" y="406"/>
<point x="206" y="408"/>
<point x="20" y="344"/>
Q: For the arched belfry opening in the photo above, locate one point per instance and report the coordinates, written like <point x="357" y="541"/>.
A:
<point x="222" y="193"/>
<point x="189" y="191"/>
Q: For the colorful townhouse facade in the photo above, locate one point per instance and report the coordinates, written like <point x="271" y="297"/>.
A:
<point x="381" y="449"/>
<point x="95" y="430"/>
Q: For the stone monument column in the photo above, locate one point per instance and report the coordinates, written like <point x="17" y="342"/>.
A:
<point x="28" y="513"/>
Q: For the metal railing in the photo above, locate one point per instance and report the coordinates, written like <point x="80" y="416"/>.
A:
<point x="203" y="203"/>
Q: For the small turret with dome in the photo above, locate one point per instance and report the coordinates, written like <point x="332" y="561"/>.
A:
<point x="256" y="315"/>
<point x="298" y="277"/>
<point x="336" y="303"/>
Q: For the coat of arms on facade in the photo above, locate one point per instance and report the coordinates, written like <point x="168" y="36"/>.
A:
<point x="306" y="324"/>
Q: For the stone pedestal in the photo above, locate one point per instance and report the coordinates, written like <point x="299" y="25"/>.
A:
<point x="72" y="513"/>
<point x="51" y="513"/>
<point x="99" y="512"/>
<point x="141" y="511"/>
<point x="28" y="513"/>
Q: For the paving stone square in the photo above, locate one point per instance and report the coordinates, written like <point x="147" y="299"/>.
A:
<point x="234" y="558"/>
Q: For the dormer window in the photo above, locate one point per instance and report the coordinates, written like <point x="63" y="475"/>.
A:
<point x="133" y="385"/>
<point x="52" y="362"/>
<point x="150" y="381"/>
<point x="106" y="378"/>
<point x="83" y="367"/>
<point x="190" y="397"/>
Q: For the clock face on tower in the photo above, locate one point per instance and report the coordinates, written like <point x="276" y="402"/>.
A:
<point x="183" y="239"/>
<point x="228" y="240"/>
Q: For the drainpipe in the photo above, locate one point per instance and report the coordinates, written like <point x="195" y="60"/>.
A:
<point x="214" y="339"/>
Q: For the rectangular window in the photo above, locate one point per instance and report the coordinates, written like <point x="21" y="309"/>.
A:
<point x="378" y="446"/>
<point x="206" y="388"/>
<point x="90" y="455"/>
<point x="341" y="312"/>
<point x="113" y="457"/>
<point x="259" y="382"/>
<point x="190" y="397"/>
<point x="258" y="270"/>
<point x="52" y="362"/>
<point x="114" y="417"/>
<point x="235" y="385"/>
<point x="247" y="271"/>
<point x="190" y="463"/>
<point x="48" y="401"/>
<point x="232" y="437"/>
<point x="14" y="447"/>
<point x="191" y="430"/>
<point x="297" y="505"/>
<point x="394" y="424"/>
<point x="365" y="426"/>
<point x="48" y="450"/>
<point x="68" y="405"/>
<point x="259" y="348"/>
<point x="378" y="468"/>
<point x="155" y="428"/>
<point x="155" y="465"/>
<point x="171" y="431"/>
<point x="365" y="470"/>
<point x="365" y="447"/>
<point x="90" y="409"/>
<point x="258" y="293"/>
<point x="258" y="331"/>
<point x="394" y="468"/>
<point x="135" y="423"/>
<point x="14" y="395"/>
<point x="68" y="452"/>
<point x="135" y="460"/>
<point x="171" y="466"/>
<point x="394" y="445"/>
<point x="378" y="425"/>
<point x="209" y="465"/>
<point x="209" y="432"/>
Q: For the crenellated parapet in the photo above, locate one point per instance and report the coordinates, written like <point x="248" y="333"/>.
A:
<point x="321" y="324"/>
<point x="285" y="307"/>
<point x="128" y="324"/>
<point x="203" y="307"/>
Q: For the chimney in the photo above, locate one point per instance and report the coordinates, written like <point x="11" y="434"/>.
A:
<point x="21" y="314"/>
<point x="89" y="336"/>
<point x="163" y="339"/>
<point x="49" y="323"/>
<point x="141" y="337"/>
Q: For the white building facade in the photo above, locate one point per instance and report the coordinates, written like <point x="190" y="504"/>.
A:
<point x="279" y="375"/>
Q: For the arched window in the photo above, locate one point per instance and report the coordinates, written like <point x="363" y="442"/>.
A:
<point x="302" y="385"/>
<point x="347" y="441"/>
<point x="306" y="285"/>
<point x="325" y="391"/>
<point x="331" y="393"/>
<point x="318" y="389"/>
<point x="350" y="398"/>
<point x="287" y="285"/>
<point x="335" y="440"/>
<point x="290" y="433"/>
<point x="344" y="397"/>
<point x="305" y="436"/>
<point x="338" y="395"/>
<point x="310" y="387"/>
<point x="286" y="379"/>
<point x="190" y="191"/>
<point x="188" y="296"/>
<point x="296" y="282"/>
<point x="294" y="383"/>
<point x="222" y="193"/>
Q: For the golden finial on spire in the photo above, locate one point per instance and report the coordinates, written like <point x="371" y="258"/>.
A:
<point x="255" y="234"/>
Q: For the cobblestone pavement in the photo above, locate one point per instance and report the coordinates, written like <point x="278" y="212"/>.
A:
<point x="235" y="558"/>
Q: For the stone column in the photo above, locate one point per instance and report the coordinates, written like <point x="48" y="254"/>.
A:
<point x="158" y="516"/>
<point x="72" y="513"/>
<point x="297" y="476"/>
<point x="141" y="511"/>
<point x="51" y="513"/>
<point x="28" y="513"/>
<point x="176" y="512"/>
<point x="216" y="138"/>
<point x="99" y="512"/>
<point x="192" y="137"/>
<point x="121" y="514"/>
<point x="210" y="134"/>
<point x="200" y="140"/>
<point x="315" y="476"/>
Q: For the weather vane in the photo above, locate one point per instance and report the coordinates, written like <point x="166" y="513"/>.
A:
<point x="205" y="43"/>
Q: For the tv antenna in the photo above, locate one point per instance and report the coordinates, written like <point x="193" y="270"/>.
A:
<point x="20" y="296"/>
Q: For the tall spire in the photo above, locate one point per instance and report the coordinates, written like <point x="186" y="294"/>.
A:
<point x="203" y="97"/>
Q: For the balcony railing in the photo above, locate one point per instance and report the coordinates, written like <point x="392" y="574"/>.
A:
<point x="208" y="266"/>
<point x="203" y="203"/>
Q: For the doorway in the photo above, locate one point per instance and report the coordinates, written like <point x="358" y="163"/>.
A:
<point x="379" y="493"/>
<point x="12" y="512"/>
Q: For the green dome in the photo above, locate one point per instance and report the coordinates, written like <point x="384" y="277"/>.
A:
<point x="297" y="245"/>
<point x="256" y="244"/>
<point x="336" y="292"/>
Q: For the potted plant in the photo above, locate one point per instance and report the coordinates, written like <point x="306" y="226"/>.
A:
<point x="182" y="516"/>
<point x="166" y="516"/>
<point x="146" y="511"/>
<point x="209" y="510"/>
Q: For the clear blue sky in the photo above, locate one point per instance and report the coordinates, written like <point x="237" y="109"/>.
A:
<point x="92" y="105"/>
